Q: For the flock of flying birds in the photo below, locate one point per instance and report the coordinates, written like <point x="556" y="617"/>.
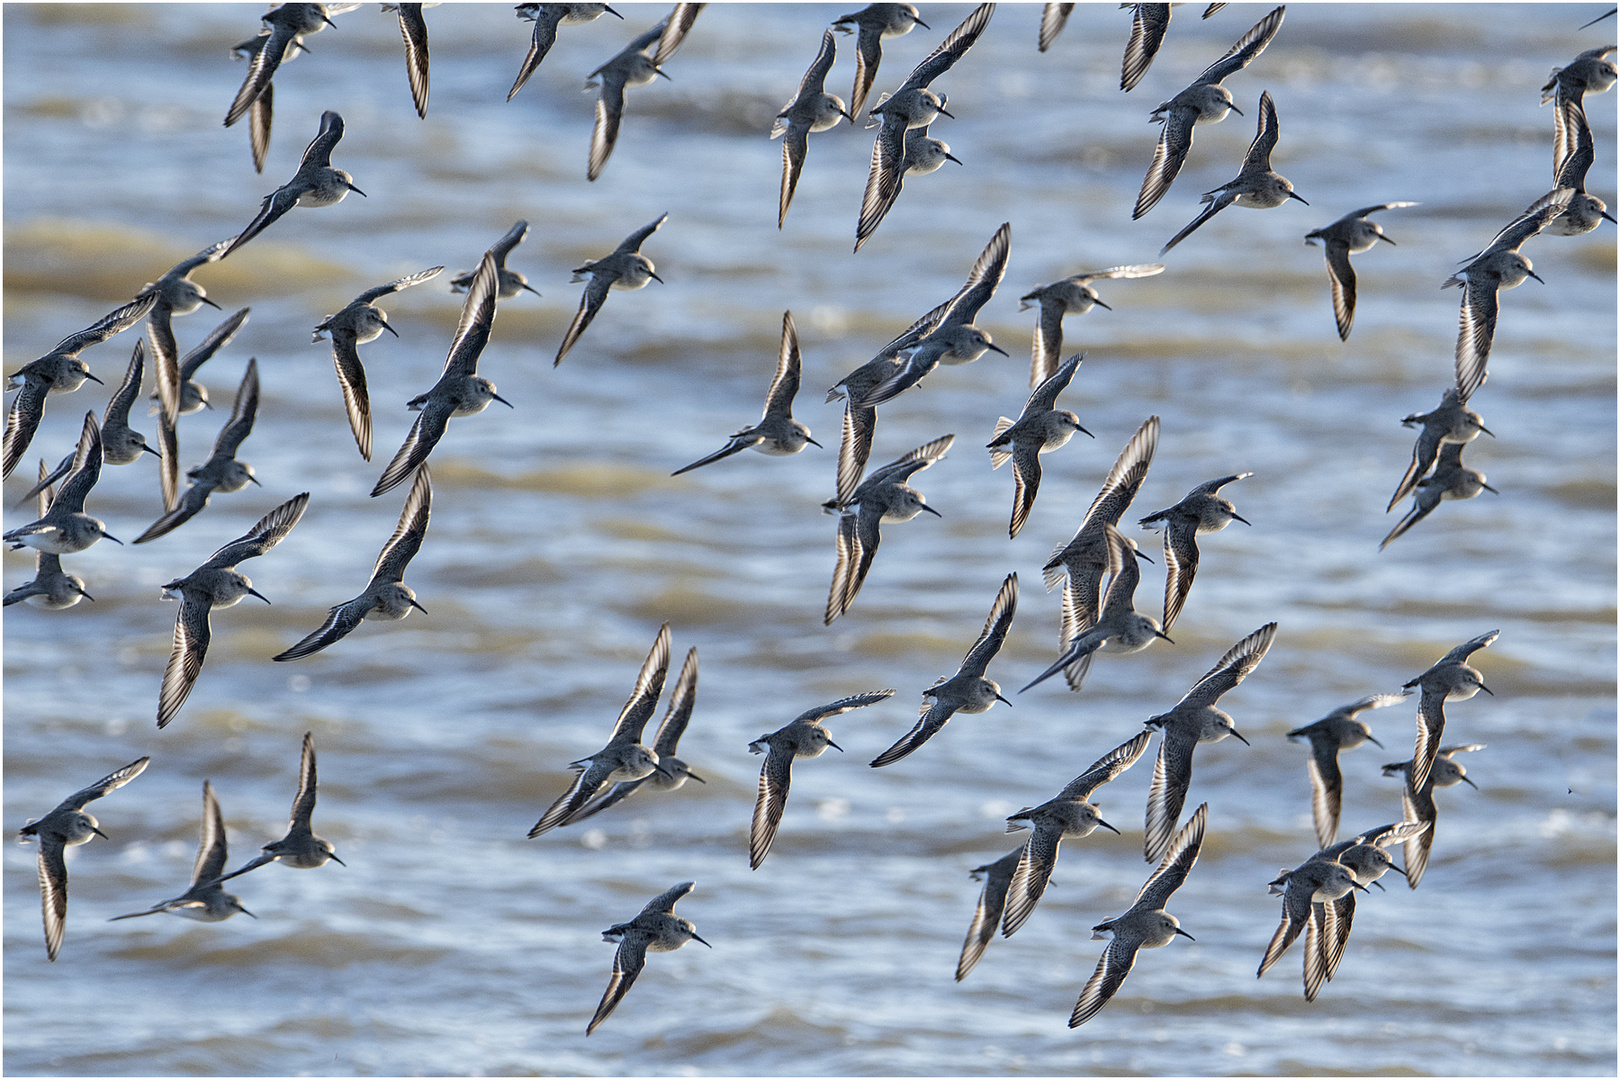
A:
<point x="1319" y="896"/>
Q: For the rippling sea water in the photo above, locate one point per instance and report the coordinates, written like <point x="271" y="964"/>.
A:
<point x="449" y="943"/>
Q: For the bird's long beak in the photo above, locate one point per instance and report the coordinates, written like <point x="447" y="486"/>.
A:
<point x="148" y="450"/>
<point x="339" y="861"/>
<point x="1604" y="214"/>
<point x="87" y="596"/>
<point x="1144" y="556"/>
<point x="1470" y="783"/>
<point x="1487" y="689"/>
<point x="1237" y="110"/>
<point x="1246" y="521"/>
<point x="1355" y="885"/>
<point x="611" y="12"/>
<point x="1380" y="884"/>
<point x="937" y="514"/>
<point x="418" y="607"/>
<point x="1239" y="737"/>
<point x="357" y="191"/>
<point x="942" y="112"/>
<point x="998" y="349"/>
<point x="660" y="71"/>
<point x="210" y="303"/>
<point x="813" y="442"/>
<point x="845" y="114"/>
<point x="1385" y="239"/>
<point x="1083" y="431"/>
<point x="690" y="775"/>
<point x="255" y="592"/>
<point x="98" y="382"/>
<point x="655" y="277"/>
<point x="531" y="288"/>
<point x="120" y="543"/>
<point x="661" y="769"/>
<point x="1000" y="698"/>
<point x="99" y="833"/>
<point x="925" y="26"/>
<point x="1107" y="826"/>
<point x="388" y="328"/>
<point x="835" y="746"/>
<point x="952" y="157"/>
<point x="1397" y="869"/>
<point x="1184" y="934"/>
<point x="325" y="20"/>
<point x="1532" y="273"/>
<point x="246" y="912"/>
<point x="1486" y="430"/>
<point x="503" y="401"/>
<point x="1161" y="633"/>
<point x="1490" y="489"/>
<point x="1291" y="195"/>
<point x="1375" y="742"/>
<point x="1100" y="304"/>
<point x="254" y="480"/>
<point x="698" y="939"/>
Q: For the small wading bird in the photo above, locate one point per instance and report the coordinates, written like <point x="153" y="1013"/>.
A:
<point x="300" y="849"/>
<point x="777" y="433"/>
<point x="386" y="597"/>
<point x="216" y="583"/>
<point x="206" y="900"/>
<point x="623" y="758"/>
<point x="656" y="929"/>
<point x="315" y="183"/>
<point x="62" y="828"/>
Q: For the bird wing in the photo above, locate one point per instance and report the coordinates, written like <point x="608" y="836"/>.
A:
<point x="1327" y="789"/>
<point x="987" y="915"/>
<point x="1120" y="955"/>
<point x="883" y="179"/>
<point x="1053" y="18"/>
<point x="432" y="272"/>
<point x="413" y="28"/>
<point x="266" y="533"/>
<point x="995" y="629"/>
<point x="212" y="849"/>
<point x="303" y="804"/>
<point x="22" y="421"/>
<point x="854" y="450"/>
<point x="681" y="701"/>
<point x="676" y="27"/>
<point x="340" y="622"/>
<point x="868" y="55"/>
<point x="842" y="705"/>
<point x="1169" y="154"/>
<point x="546" y="18"/>
<point x="1572" y="145"/>
<point x="1026" y="460"/>
<point x="1342" y="276"/>
<point x="1462" y="652"/>
<point x="627" y="964"/>
<point x="191" y="636"/>
<point x="109" y="783"/>
<point x="477" y="318"/>
<point x="815" y="78"/>
<point x="1180" y="567"/>
<point x="1213" y="207"/>
<point x="1423" y="453"/>
<point x="319" y="151"/>
<point x="1265" y="138"/>
<point x="605" y="133"/>
<point x="1231" y="668"/>
<point x="114" y="322"/>
<point x="215" y="341"/>
<point x="644" y="695"/>
<point x="590" y="302"/>
<point x="785" y="384"/>
<point x="402" y="547"/>
<point x="1046" y="344"/>
<point x="1177" y="862"/>
<point x="1119" y="600"/>
<point x="1045" y="396"/>
<point x="795" y="144"/>
<point x="1172" y="774"/>
<point x="1107" y="767"/>
<point x="985" y="275"/>
<point x="775" y="777"/>
<point x="85" y="472"/>
<point x="951" y="49"/>
<point x="633" y="242"/>
<point x="261" y="117"/>
<point x="1148" y="24"/>
<point x="1029" y="880"/>
<point x="664" y="902"/>
<point x="901" y="469"/>
<point x="129" y="389"/>
<point x="930" y="719"/>
<point x="1242" y="54"/>
<point x="351" y="376"/>
<point x="243" y="412"/>
<point x="266" y="53"/>
<point x="53" y="893"/>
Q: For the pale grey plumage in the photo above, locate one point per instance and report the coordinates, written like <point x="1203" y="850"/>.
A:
<point x="1338" y="730"/>
<point x="1451" y="678"/>
<point x="1201" y="510"/>
<point x="1350" y="235"/>
<point x="316" y="183"/>
<point x="206" y="900"/>
<point x="656" y="929"/>
<point x="624" y="268"/>
<point x="777" y="433"/>
<point x="222" y="471"/>
<point x="1418" y="803"/>
<point x="300" y="849"/>
<point x="65" y="528"/>
<point x="1071" y="296"/>
<point x="1040" y="429"/>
